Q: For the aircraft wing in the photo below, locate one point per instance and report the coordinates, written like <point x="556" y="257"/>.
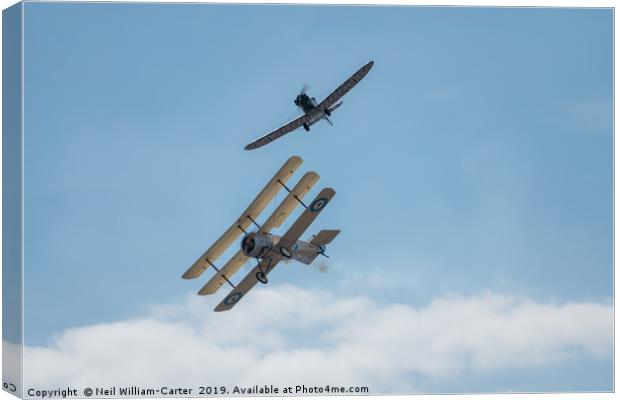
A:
<point x="266" y="265"/>
<point x="255" y="208"/>
<point x="303" y="222"/>
<point x="291" y="201"/>
<point x="275" y="220"/>
<point x="280" y="251"/>
<point x="345" y="87"/>
<point x="227" y="271"/>
<point x="281" y="131"/>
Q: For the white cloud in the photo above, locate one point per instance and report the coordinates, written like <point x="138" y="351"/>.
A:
<point x="286" y="335"/>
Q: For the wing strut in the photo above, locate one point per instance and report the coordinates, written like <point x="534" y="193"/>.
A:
<point x="218" y="271"/>
<point x="252" y="219"/>
<point x="294" y="195"/>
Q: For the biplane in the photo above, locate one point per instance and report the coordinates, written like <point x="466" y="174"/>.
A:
<point x="313" y="111"/>
<point x="260" y="244"/>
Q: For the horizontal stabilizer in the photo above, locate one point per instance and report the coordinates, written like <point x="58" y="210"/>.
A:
<point x="325" y="237"/>
<point x="332" y="108"/>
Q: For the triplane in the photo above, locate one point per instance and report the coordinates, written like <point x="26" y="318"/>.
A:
<point x="267" y="249"/>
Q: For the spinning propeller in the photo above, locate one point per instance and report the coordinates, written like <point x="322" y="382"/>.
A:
<point x="301" y="94"/>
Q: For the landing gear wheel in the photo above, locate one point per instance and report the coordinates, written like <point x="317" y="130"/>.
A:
<point x="286" y="252"/>
<point x="307" y="127"/>
<point x="262" y="278"/>
<point x="328" y="113"/>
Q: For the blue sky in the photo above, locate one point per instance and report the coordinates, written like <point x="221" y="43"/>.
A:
<point x="475" y="156"/>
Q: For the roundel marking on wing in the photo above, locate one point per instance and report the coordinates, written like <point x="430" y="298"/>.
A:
<point x="318" y="204"/>
<point x="233" y="298"/>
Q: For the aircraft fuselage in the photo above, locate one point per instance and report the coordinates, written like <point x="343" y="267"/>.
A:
<point x="309" y="106"/>
<point x="260" y="245"/>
